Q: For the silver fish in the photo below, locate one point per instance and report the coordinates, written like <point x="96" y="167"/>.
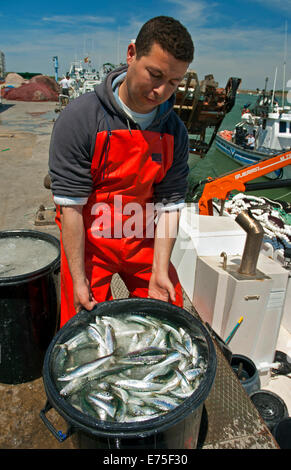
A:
<point x="138" y="385"/>
<point x="192" y="374"/>
<point x="136" y="410"/>
<point x="85" y="368"/>
<point x="80" y="338"/>
<point x="110" y="408"/>
<point x="73" y="386"/>
<point x="110" y="339"/>
<point x="185" y="385"/>
<point x="156" y="372"/>
<point x="121" y="412"/>
<point x="163" y="402"/>
<point x="144" y="320"/>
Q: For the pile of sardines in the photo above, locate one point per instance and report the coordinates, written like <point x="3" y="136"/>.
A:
<point x="128" y="368"/>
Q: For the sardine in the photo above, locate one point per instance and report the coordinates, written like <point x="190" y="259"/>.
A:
<point x="156" y="372"/>
<point x="130" y="384"/>
<point x="85" y="368"/>
<point x="110" y="339"/>
<point x="95" y="334"/>
<point x="163" y="402"/>
<point x="142" y="359"/>
<point x="73" y="387"/>
<point x="80" y="338"/>
<point x="137" y="410"/>
<point x="185" y="385"/>
<point x="192" y="374"/>
<point x="110" y="408"/>
<point x="144" y="320"/>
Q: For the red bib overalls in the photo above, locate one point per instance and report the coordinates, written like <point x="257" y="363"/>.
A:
<point x="118" y="217"/>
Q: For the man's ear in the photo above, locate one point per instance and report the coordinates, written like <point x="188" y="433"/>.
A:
<point x="131" y="53"/>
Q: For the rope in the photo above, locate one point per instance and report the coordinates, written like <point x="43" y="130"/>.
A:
<point x="274" y="220"/>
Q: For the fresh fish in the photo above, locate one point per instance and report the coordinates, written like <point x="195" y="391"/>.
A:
<point x="163" y="402"/>
<point x="135" y="400"/>
<point x="173" y="331"/>
<point x="192" y="374"/>
<point x="173" y="357"/>
<point x="129" y="368"/>
<point x="144" y="320"/>
<point x="121" y="411"/>
<point x="110" y="339"/>
<point x="178" y="346"/>
<point x="104" y="395"/>
<point x="195" y="354"/>
<point x="159" y="338"/>
<point x="172" y="384"/>
<point x="130" y="384"/>
<point x="85" y="368"/>
<point x="185" y="385"/>
<point x="95" y="334"/>
<point x="156" y="372"/>
<point x="73" y="387"/>
<point x="110" y="408"/>
<point x="142" y="359"/>
<point x="121" y="393"/>
<point x="80" y="338"/>
<point x="123" y="328"/>
<point x="134" y="343"/>
<point x="187" y="341"/>
<point x="136" y="410"/>
<point x="179" y="393"/>
<point x="149" y="350"/>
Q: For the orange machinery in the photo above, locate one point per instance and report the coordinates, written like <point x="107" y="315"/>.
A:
<point x="235" y="180"/>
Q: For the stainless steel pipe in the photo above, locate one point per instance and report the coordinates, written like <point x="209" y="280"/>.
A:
<point x="255" y="234"/>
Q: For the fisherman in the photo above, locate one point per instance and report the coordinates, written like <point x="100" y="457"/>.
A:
<point x="118" y="151"/>
<point x="65" y="85"/>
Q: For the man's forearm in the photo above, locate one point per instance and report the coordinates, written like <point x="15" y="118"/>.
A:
<point x="165" y="237"/>
<point x="73" y="237"/>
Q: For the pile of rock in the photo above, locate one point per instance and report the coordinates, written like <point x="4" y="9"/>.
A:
<point x="39" y="88"/>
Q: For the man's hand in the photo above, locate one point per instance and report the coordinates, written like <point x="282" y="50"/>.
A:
<point x="161" y="288"/>
<point x="83" y="297"/>
<point x="160" y="285"/>
<point x="74" y="246"/>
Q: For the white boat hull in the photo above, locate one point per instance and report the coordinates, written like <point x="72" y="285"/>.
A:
<point x="249" y="157"/>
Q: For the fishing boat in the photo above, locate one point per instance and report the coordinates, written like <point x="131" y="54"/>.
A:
<point x="264" y="131"/>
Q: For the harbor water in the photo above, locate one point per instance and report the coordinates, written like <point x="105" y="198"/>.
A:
<point x="216" y="164"/>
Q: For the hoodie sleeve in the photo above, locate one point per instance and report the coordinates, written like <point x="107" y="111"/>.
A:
<point x="172" y="189"/>
<point x="71" y="149"/>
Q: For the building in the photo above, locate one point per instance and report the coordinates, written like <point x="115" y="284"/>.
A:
<point x="2" y="65"/>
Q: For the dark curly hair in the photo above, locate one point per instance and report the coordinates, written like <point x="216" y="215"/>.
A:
<point x="170" y="34"/>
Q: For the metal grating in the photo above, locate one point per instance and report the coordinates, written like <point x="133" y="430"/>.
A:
<point x="229" y="418"/>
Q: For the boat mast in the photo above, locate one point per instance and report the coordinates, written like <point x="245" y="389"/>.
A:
<point x="274" y="87"/>
<point x="284" y="66"/>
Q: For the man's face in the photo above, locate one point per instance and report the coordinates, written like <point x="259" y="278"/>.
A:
<point x="151" y="79"/>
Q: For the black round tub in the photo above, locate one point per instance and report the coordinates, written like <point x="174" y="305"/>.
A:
<point x="29" y="302"/>
<point x="177" y="429"/>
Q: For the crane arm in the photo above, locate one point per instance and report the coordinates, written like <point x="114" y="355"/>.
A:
<point x="235" y="180"/>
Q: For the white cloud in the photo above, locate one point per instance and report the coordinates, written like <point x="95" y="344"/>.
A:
<point x="70" y="19"/>
<point x="234" y="51"/>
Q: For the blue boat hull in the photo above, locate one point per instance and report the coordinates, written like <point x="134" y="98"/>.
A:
<point x="248" y="157"/>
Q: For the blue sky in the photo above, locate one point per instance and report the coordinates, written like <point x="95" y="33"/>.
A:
<point x="243" y="38"/>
